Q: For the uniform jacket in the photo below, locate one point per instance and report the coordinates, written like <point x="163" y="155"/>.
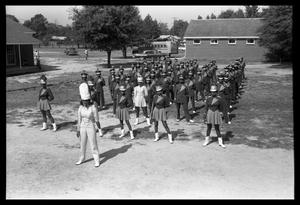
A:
<point x="190" y="84"/>
<point x="163" y="103"/>
<point x="181" y="93"/>
<point x="115" y="90"/>
<point x="124" y="102"/>
<point x="99" y="84"/>
<point x="218" y="105"/>
<point x="140" y="94"/>
<point x="46" y="94"/>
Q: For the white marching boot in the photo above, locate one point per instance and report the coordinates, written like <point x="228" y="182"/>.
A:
<point x="136" y="121"/>
<point x="148" y="121"/>
<point x="80" y="161"/>
<point x="220" y="140"/>
<point x="97" y="160"/>
<point x="54" y="127"/>
<point x="170" y="138"/>
<point x="156" y="137"/>
<point x="131" y="135"/>
<point x="100" y="133"/>
<point x="122" y="133"/>
<point x="206" y="141"/>
<point x="44" y="126"/>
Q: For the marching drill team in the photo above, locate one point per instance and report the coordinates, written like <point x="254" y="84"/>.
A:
<point x="152" y="86"/>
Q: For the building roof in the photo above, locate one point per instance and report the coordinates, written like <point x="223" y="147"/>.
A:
<point x="232" y="27"/>
<point x="19" y="34"/>
<point x="168" y="37"/>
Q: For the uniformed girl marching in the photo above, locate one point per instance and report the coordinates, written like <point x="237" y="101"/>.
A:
<point x="87" y="118"/>
<point x="45" y="96"/>
<point x="123" y="104"/>
<point x="159" y="105"/>
<point x="140" y="94"/>
<point x="213" y="115"/>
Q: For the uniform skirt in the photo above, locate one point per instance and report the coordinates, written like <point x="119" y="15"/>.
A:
<point x="214" y="117"/>
<point x="159" y="114"/>
<point x="122" y="114"/>
<point x="44" y="105"/>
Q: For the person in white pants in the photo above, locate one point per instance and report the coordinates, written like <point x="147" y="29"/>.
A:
<point x="87" y="118"/>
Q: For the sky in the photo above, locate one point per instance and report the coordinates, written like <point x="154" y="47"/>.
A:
<point x="165" y="14"/>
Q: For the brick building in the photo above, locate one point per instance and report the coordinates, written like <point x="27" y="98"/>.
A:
<point x="224" y="39"/>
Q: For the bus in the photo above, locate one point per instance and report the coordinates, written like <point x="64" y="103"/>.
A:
<point x="166" y="47"/>
<point x="165" y="44"/>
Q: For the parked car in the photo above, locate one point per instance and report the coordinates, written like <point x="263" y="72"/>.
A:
<point x="149" y="54"/>
<point x="181" y="48"/>
<point x="71" y="51"/>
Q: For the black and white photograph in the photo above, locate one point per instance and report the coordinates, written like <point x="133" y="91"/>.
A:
<point x="149" y="102"/>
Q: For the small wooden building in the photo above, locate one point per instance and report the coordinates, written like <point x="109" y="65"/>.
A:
<point x="224" y="39"/>
<point x="19" y="48"/>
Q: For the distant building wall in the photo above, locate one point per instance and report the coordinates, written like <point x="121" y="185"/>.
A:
<point x="222" y="50"/>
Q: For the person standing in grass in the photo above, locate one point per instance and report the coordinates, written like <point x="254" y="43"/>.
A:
<point x="124" y="103"/>
<point x="87" y="118"/>
<point x="213" y="115"/>
<point x="159" y="113"/>
<point x="45" y="96"/>
<point x="86" y="53"/>
<point x="100" y="83"/>
<point x="181" y="94"/>
<point x="140" y="94"/>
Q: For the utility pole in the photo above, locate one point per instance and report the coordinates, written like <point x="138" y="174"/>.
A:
<point x="174" y="19"/>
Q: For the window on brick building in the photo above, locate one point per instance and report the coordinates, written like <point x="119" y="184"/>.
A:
<point x="214" y="41"/>
<point x="197" y="41"/>
<point x="250" y="41"/>
<point x="231" y="41"/>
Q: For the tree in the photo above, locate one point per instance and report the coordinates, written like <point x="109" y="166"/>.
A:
<point x="263" y="12"/>
<point x="199" y="17"/>
<point x="276" y="33"/>
<point x="229" y="13"/>
<point x="12" y="17"/>
<point x="213" y="16"/>
<point x="179" y="28"/>
<point x="239" y="14"/>
<point x="163" y="28"/>
<point x="207" y="17"/>
<point x="150" y="28"/>
<point x="251" y="11"/>
<point x="38" y="23"/>
<point x="107" y="28"/>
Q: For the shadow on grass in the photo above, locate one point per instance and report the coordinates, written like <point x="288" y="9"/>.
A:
<point x="111" y="153"/>
<point x="110" y="128"/>
<point x="45" y="68"/>
<point x="117" y="65"/>
<point x="65" y="125"/>
<point x="227" y="136"/>
<point x="282" y="66"/>
<point x="178" y="134"/>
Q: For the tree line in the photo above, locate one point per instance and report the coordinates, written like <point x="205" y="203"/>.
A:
<point x="251" y="11"/>
<point x="108" y="28"/>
